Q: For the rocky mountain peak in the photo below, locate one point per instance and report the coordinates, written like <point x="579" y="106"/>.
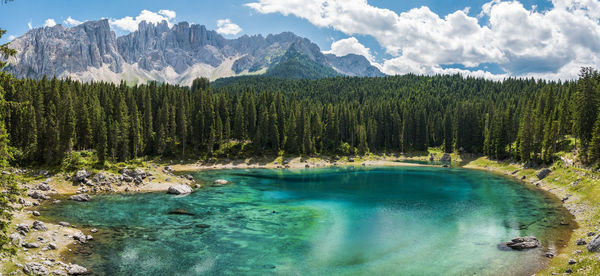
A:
<point x="176" y="54"/>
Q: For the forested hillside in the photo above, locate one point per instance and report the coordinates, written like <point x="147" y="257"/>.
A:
<point x="523" y="119"/>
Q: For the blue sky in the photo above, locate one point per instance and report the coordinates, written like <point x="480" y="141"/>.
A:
<point x="491" y="38"/>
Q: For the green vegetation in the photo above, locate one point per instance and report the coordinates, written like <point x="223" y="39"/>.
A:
<point x="525" y="120"/>
<point x="9" y="190"/>
<point x="296" y="65"/>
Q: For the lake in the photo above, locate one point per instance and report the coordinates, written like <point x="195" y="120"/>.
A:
<point x="330" y="221"/>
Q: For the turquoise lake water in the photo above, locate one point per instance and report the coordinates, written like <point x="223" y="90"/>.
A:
<point x="334" y="221"/>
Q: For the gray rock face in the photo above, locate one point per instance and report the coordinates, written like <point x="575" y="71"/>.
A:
<point x="594" y="244"/>
<point x="180" y="189"/>
<point x="523" y="243"/>
<point x="541" y="174"/>
<point x="353" y="65"/>
<point x="35" y="269"/>
<point x="58" y="50"/>
<point x="191" y="51"/>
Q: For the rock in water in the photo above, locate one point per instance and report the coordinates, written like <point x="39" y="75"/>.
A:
<point x="522" y="243"/>
<point x="181" y="212"/>
<point x="81" y="197"/>
<point x="76" y="270"/>
<point x="35" y="269"/>
<point x="594" y="245"/>
<point x="79" y="236"/>
<point x="541" y="174"/>
<point x="180" y="189"/>
<point x="221" y="182"/>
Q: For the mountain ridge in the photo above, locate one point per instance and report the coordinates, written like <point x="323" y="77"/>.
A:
<point x="92" y="52"/>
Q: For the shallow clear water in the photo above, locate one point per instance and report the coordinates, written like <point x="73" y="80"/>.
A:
<point x="335" y="221"/>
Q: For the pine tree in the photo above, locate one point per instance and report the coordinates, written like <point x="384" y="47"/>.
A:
<point x="585" y="107"/>
<point x="594" y="149"/>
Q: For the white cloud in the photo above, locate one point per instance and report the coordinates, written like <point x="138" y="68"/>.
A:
<point x="523" y="42"/>
<point x="130" y="24"/>
<point x="72" y="22"/>
<point x="11" y="37"/>
<point x="29" y="25"/>
<point x="169" y="14"/>
<point x="226" y="27"/>
<point x="49" y="23"/>
<point x="350" y="45"/>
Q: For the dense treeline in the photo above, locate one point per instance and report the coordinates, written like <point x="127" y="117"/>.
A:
<point x="520" y="118"/>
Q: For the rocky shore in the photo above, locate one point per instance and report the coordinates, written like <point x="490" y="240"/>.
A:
<point x="40" y="246"/>
<point x="582" y="252"/>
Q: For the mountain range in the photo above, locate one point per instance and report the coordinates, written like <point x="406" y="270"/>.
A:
<point x="92" y="52"/>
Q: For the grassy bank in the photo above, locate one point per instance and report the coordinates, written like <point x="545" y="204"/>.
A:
<point x="580" y="191"/>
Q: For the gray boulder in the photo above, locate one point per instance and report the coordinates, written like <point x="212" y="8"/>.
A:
<point x="35" y="269"/>
<point x="580" y="242"/>
<point x="523" y="243"/>
<point x="38" y="225"/>
<point x="79" y="236"/>
<point x="74" y="269"/>
<point x="43" y="187"/>
<point x="81" y="176"/>
<point x="80" y="197"/>
<point x="594" y="244"/>
<point x="541" y="174"/>
<point x="37" y="195"/>
<point x="446" y="158"/>
<point x="23" y="228"/>
<point x="31" y="245"/>
<point x="180" y="189"/>
<point x="99" y="177"/>
<point x="15" y="238"/>
<point x="221" y="182"/>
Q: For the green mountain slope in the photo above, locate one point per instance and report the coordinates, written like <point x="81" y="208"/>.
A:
<point x="296" y="65"/>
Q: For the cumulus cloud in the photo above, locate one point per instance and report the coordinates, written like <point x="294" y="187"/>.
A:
<point x="350" y="45"/>
<point x="49" y="23"/>
<point x="11" y="37"/>
<point x="130" y="24"/>
<point x="523" y="42"/>
<point x="226" y="27"/>
<point x="72" y="22"/>
<point x="29" y="25"/>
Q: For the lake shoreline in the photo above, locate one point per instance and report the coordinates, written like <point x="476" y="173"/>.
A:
<point x="158" y="184"/>
<point x="575" y="203"/>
